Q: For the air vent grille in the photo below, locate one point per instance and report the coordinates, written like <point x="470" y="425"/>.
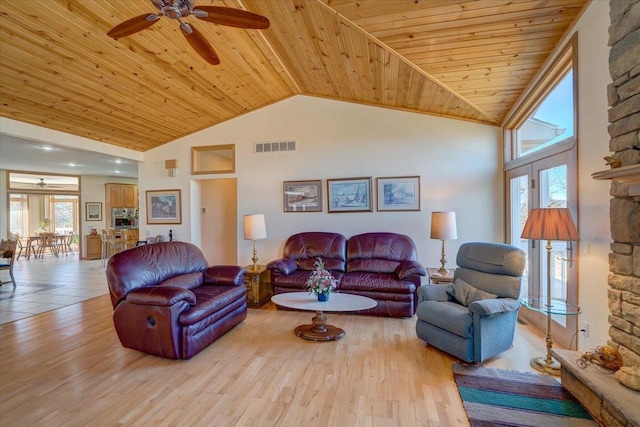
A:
<point x="270" y="147"/>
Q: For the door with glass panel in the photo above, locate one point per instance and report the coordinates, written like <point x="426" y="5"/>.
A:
<point x="546" y="183"/>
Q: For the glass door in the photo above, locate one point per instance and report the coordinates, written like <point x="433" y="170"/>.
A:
<point x="546" y="183"/>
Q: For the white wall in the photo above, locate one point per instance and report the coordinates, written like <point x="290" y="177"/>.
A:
<point x="459" y="163"/>
<point x="595" y="236"/>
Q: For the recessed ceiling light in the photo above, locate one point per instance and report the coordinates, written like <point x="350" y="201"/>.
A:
<point x="46" y="148"/>
<point x="118" y="161"/>
<point x="73" y="165"/>
<point x="117" y="172"/>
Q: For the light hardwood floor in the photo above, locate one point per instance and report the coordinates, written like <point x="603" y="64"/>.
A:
<point x="67" y="367"/>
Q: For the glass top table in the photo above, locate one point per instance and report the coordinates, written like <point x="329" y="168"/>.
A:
<point x="319" y="330"/>
<point x="556" y="306"/>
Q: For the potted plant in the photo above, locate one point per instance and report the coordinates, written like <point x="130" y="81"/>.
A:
<point x="321" y="282"/>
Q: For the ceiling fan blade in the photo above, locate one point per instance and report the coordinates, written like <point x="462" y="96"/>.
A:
<point x="200" y="45"/>
<point x="232" y="17"/>
<point x="133" y="25"/>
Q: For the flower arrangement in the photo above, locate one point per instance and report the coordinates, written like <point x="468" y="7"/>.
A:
<point x="321" y="281"/>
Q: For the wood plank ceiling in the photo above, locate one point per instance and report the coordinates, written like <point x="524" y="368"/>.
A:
<point x="468" y="60"/>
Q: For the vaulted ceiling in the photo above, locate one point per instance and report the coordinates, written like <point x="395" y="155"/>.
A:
<point x="469" y="60"/>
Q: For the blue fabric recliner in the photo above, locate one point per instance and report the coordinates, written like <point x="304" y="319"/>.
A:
<point x="474" y="318"/>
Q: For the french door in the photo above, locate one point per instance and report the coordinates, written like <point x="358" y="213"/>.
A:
<point x="546" y="182"/>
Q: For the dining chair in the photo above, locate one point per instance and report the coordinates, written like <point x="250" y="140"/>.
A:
<point x="33" y="246"/>
<point x="48" y="241"/>
<point x="128" y="239"/>
<point x="65" y="243"/>
<point x="116" y="243"/>
<point x="7" y="258"/>
<point x="20" y="246"/>
<point x="104" y="237"/>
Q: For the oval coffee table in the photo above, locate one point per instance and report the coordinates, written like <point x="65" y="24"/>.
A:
<point x="319" y="330"/>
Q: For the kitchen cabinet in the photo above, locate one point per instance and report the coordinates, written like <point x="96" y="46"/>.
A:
<point x="93" y="246"/>
<point x="121" y="196"/>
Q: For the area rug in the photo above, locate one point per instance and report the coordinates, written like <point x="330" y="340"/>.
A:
<point x="498" y="397"/>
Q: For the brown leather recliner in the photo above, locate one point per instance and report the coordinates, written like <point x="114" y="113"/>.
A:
<point x="169" y="303"/>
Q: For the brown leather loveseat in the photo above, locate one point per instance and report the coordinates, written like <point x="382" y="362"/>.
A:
<point x="169" y="303"/>
<point x="381" y="266"/>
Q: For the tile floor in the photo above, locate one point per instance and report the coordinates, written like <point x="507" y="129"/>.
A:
<point x="48" y="284"/>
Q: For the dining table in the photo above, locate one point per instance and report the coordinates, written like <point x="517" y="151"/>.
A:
<point x="36" y="245"/>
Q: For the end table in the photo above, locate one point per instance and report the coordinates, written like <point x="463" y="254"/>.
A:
<point x="258" y="283"/>
<point x="438" y="278"/>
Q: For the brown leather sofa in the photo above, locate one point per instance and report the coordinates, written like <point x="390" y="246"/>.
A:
<point x="169" y="303"/>
<point x="381" y="266"/>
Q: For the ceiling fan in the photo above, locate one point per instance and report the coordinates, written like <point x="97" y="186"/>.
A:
<point x="43" y="184"/>
<point x="178" y="9"/>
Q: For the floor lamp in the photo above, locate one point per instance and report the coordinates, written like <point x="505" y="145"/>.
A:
<point x="549" y="224"/>
<point x="255" y="229"/>
<point x="443" y="227"/>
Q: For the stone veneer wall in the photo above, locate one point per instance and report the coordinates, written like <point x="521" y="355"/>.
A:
<point x="624" y="130"/>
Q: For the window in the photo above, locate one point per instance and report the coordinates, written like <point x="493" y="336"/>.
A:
<point x="551" y="122"/>
<point x="541" y="171"/>
<point x="547" y="114"/>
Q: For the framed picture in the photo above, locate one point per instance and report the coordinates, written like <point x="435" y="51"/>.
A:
<point x="163" y="207"/>
<point x="349" y="195"/>
<point x="93" y="211"/>
<point x="302" y="196"/>
<point x="399" y="193"/>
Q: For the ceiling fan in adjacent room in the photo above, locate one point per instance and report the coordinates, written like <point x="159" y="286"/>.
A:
<point x="43" y="184"/>
<point x="178" y="9"/>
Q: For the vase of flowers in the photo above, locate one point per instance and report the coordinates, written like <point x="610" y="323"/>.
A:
<point x="321" y="282"/>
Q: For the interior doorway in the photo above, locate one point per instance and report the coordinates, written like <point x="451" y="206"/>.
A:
<point x="218" y="223"/>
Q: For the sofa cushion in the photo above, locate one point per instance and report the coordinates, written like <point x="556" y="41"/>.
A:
<point x="376" y="282"/>
<point x="305" y="248"/>
<point x="184" y="281"/>
<point x="465" y="294"/>
<point x="379" y="252"/>
<point x="447" y="315"/>
<point x="209" y="300"/>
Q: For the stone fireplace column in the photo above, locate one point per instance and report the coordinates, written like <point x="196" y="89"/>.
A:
<point x="624" y="130"/>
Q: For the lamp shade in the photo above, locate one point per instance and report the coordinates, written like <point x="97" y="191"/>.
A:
<point x="443" y="225"/>
<point x="254" y="227"/>
<point x="550" y="224"/>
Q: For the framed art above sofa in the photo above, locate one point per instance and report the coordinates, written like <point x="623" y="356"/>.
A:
<point x="349" y="195"/>
<point x="399" y="193"/>
<point x="302" y="196"/>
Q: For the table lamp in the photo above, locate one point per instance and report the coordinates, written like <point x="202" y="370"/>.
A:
<point x="549" y="224"/>
<point x="443" y="227"/>
<point x="254" y="229"/>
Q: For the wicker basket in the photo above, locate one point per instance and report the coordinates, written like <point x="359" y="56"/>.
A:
<point x="629" y="376"/>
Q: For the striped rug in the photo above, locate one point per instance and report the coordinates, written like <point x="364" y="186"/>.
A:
<point x="497" y="397"/>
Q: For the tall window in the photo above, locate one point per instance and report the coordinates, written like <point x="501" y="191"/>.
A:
<point x="541" y="171"/>
<point x="551" y="122"/>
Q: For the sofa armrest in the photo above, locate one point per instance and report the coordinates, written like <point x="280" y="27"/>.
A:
<point x="489" y="307"/>
<point x="229" y="275"/>
<point x="284" y="266"/>
<point x="432" y="293"/>
<point x="410" y="268"/>
<point x="160" y="296"/>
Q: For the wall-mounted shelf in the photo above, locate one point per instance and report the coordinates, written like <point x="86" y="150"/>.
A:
<point x="626" y="174"/>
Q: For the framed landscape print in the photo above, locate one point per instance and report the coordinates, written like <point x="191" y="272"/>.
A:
<point x="349" y="195"/>
<point x="163" y="207"/>
<point x="400" y="193"/>
<point x="302" y="196"/>
<point x="93" y="211"/>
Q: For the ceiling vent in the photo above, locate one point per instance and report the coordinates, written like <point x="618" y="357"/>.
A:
<point x="270" y="147"/>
